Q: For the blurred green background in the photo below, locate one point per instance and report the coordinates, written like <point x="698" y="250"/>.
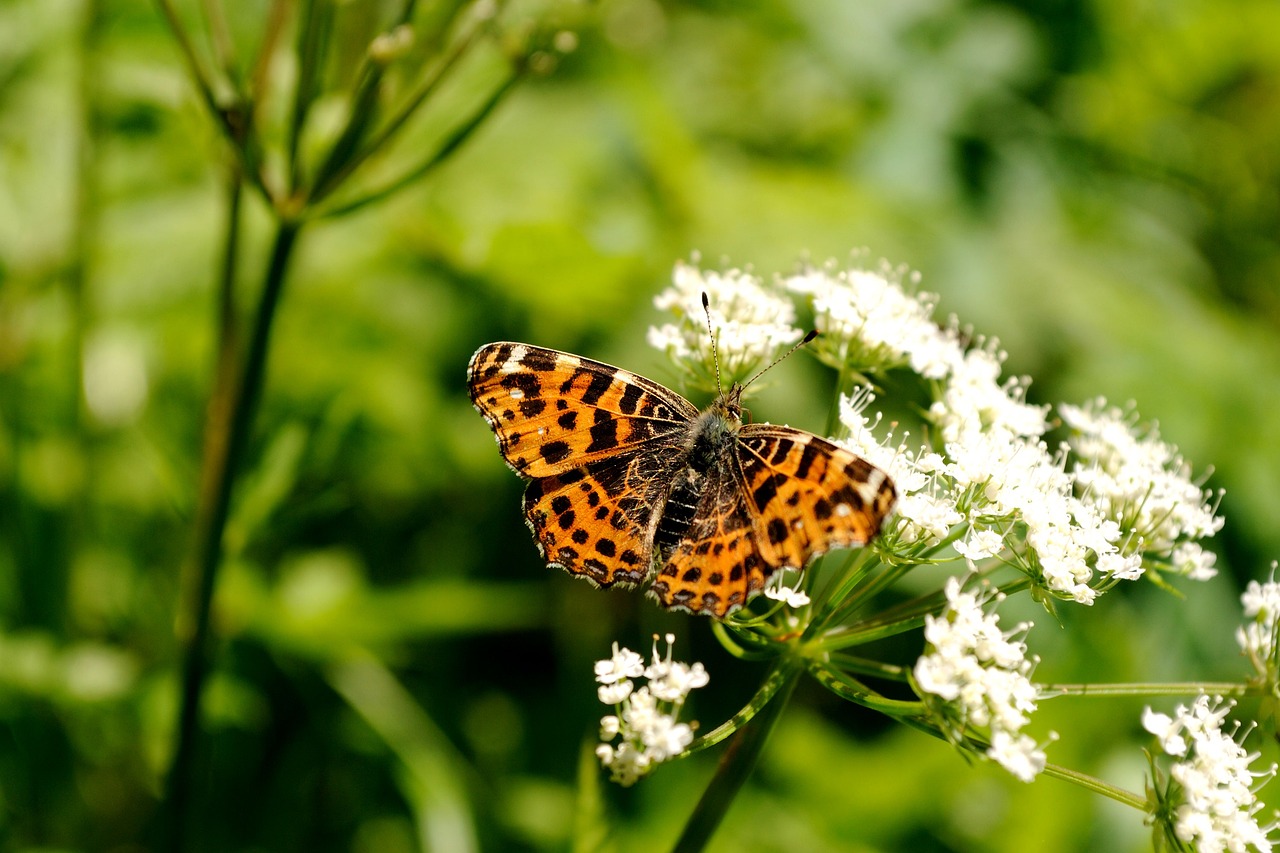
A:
<point x="1097" y="185"/>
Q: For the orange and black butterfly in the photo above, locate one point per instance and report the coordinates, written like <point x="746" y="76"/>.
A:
<point x="631" y="484"/>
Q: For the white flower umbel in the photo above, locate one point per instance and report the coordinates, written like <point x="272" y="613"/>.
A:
<point x="1258" y="637"/>
<point x="1209" y="796"/>
<point x="1139" y="482"/>
<point x="751" y="323"/>
<point x="1074" y="533"/>
<point x="868" y="321"/>
<point x="978" y="678"/>
<point x="646" y="723"/>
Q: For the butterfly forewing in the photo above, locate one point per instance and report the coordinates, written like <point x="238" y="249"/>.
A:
<point x="809" y="495"/>
<point x="553" y="412"/>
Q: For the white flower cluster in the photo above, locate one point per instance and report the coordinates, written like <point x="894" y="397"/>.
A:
<point x="1142" y="484"/>
<point x="989" y="467"/>
<point x="1258" y="637"/>
<point x="983" y="674"/>
<point x="1214" y="804"/>
<point x="752" y="324"/>
<point x="645" y="725"/>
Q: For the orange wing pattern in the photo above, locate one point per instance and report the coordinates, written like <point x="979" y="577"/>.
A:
<point x="808" y="495"/>
<point x="553" y="412"/>
<point x="718" y="564"/>
<point x="600" y="445"/>
<point x="625" y="474"/>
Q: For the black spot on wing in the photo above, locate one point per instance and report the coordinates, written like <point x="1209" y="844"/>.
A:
<point x="604" y="432"/>
<point x="555" y="451"/>
<point x="630" y="398"/>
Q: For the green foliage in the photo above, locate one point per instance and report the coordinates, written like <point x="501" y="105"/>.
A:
<point x="393" y="669"/>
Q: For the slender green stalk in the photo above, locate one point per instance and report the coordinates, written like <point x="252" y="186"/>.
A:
<point x="1184" y="688"/>
<point x="1096" y="785"/>
<point x="846" y="686"/>
<point x="227" y="435"/>
<point x="777" y="679"/>
<point x="337" y="169"/>
<point x="455" y="140"/>
<point x="737" y="763"/>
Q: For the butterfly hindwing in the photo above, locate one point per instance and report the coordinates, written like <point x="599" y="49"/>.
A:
<point x="718" y="563"/>
<point x="596" y="521"/>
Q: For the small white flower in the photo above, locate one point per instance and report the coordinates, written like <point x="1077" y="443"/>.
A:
<point x="623" y="664"/>
<point x="1258" y="636"/>
<point x="869" y="321"/>
<point x="1167" y="730"/>
<point x="777" y="590"/>
<point x="614" y="694"/>
<point x="980" y="544"/>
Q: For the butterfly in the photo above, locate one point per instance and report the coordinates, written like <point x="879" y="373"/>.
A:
<point x="629" y="483"/>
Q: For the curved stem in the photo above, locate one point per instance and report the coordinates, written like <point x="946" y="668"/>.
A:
<point x="227" y="435"/>
<point x="738" y="761"/>
<point x="775" y="681"/>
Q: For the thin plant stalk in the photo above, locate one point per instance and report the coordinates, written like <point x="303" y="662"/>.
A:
<point x="226" y="438"/>
<point x="736" y="764"/>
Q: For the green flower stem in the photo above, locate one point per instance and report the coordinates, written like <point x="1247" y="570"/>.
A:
<point x="739" y="759"/>
<point x="1055" y="771"/>
<point x="1096" y="785"/>
<point x="226" y="108"/>
<point x="842" y="382"/>
<point x="846" y="636"/>
<point x="1184" y="688"/>
<point x="315" y="21"/>
<point x="865" y="591"/>
<point x="338" y="168"/>
<point x="744" y="645"/>
<point x="778" y="678"/>
<point x="460" y="135"/>
<point x="855" y="569"/>
<point x="227" y="436"/>
<point x="846" y="686"/>
<point x="866" y="666"/>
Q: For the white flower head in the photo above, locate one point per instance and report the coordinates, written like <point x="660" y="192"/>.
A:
<point x="1213" y="805"/>
<point x="646" y="728"/>
<point x="752" y="324"/>
<point x="981" y="673"/>
<point x="869" y="321"/>
<point x="1126" y="474"/>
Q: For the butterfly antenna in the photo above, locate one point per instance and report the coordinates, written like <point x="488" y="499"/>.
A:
<point x="813" y="333"/>
<point x="715" y="353"/>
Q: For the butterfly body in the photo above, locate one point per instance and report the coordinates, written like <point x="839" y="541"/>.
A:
<point x="630" y="483"/>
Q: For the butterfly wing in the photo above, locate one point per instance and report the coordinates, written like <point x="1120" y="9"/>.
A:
<point x="553" y="412"/>
<point x="719" y="562"/>
<point x="599" y="444"/>
<point x="807" y="495"/>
